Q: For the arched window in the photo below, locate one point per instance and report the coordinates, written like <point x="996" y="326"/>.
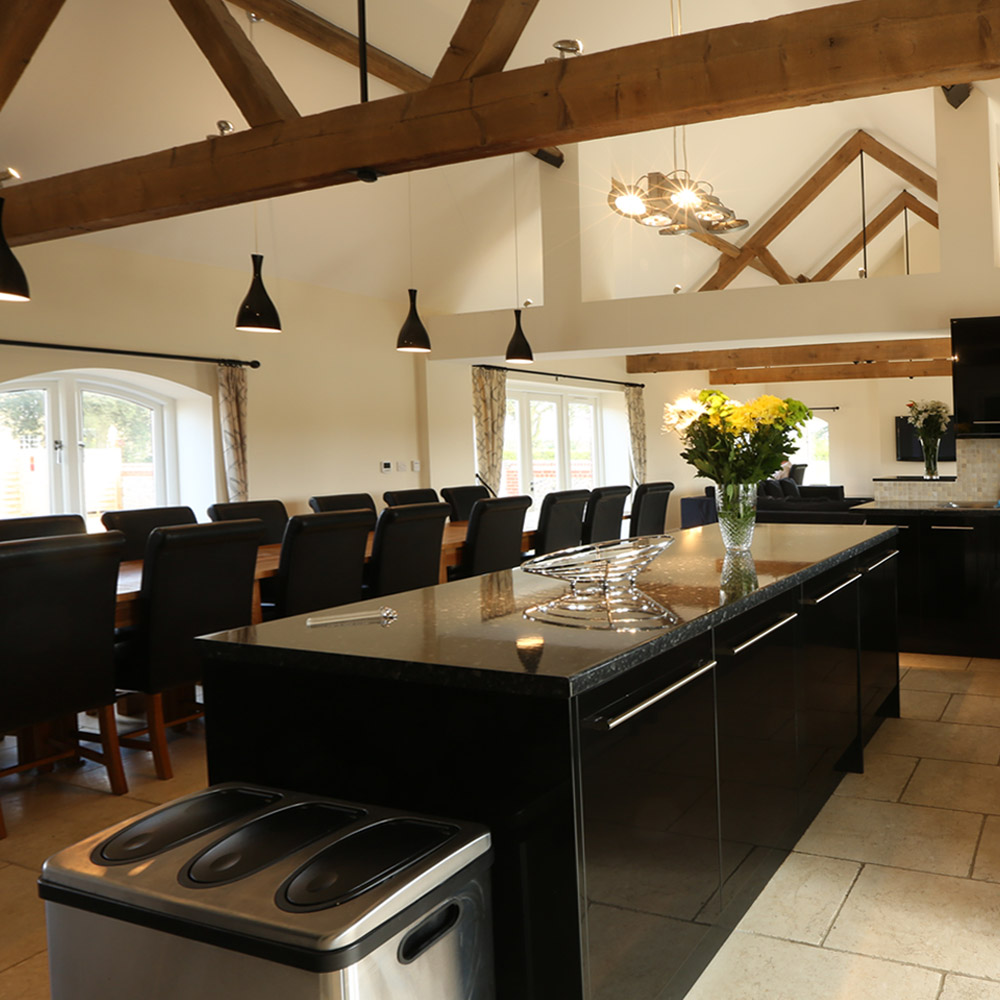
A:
<point x="91" y="440"/>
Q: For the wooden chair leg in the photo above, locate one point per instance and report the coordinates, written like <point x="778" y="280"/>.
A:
<point x="111" y="749"/>
<point x="158" y="736"/>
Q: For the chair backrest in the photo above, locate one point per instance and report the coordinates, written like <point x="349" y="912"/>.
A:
<point x="322" y="561"/>
<point x="798" y="472"/>
<point x="342" y="501"/>
<point x="462" y="498"/>
<point x="649" y="509"/>
<point x="397" y="498"/>
<point x="271" y="512"/>
<point x="406" y="549"/>
<point x="136" y="525"/>
<point x="42" y="526"/>
<point x="560" y="521"/>
<point x="603" y="520"/>
<point x="58" y="600"/>
<point x="196" y="578"/>
<point x="493" y="541"/>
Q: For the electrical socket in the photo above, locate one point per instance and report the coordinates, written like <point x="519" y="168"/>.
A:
<point x="385" y="466"/>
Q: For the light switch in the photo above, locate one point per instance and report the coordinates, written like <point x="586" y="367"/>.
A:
<point x="386" y="466"/>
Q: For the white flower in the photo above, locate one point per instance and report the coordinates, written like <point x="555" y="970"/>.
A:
<point x="929" y="415"/>
<point x="679" y="415"/>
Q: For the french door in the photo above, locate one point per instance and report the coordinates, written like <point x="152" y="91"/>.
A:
<point x="74" y="444"/>
<point x="552" y="442"/>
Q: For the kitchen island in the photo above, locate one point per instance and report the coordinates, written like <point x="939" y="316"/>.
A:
<point x="640" y="787"/>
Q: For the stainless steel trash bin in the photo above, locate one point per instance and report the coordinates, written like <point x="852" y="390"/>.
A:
<point x="248" y="892"/>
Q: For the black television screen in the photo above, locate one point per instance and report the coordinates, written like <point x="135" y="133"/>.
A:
<point x="908" y="444"/>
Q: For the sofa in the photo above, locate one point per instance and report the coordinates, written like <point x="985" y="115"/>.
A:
<point x="783" y="500"/>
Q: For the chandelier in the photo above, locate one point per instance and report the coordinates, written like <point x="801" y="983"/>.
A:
<point x="675" y="204"/>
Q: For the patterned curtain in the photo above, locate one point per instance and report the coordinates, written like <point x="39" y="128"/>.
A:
<point x="489" y="407"/>
<point x="636" y="409"/>
<point x="233" y="421"/>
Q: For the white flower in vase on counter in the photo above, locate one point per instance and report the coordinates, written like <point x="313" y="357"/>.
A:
<point x="929" y="416"/>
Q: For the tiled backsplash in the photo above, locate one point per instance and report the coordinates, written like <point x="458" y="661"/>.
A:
<point x="978" y="477"/>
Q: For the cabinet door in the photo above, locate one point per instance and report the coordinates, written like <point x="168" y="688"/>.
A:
<point x="910" y="619"/>
<point x="954" y="602"/>
<point x="759" y="771"/>
<point x="974" y="375"/>
<point x="650" y="835"/>
<point x="879" y="692"/>
<point x="828" y="712"/>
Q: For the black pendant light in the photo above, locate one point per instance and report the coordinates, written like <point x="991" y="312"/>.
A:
<point x="518" y="349"/>
<point x="13" y="283"/>
<point x="257" y="313"/>
<point x="413" y="334"/>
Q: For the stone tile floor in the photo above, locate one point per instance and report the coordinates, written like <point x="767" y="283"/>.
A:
<point x="892" y="894"/>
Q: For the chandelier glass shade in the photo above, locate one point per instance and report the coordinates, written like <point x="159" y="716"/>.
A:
<point x="675" y="204"/>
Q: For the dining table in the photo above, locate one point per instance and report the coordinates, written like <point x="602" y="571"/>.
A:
<point x="268" y="557"/>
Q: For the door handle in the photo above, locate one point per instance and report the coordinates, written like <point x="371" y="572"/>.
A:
<point x="885" y="558"/>
<point x="736" y="650"/>
<point x="819" y="600"/>
<point x="952" y="527"/>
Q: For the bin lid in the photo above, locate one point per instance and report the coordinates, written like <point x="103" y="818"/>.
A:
<point x="311" y="873"/>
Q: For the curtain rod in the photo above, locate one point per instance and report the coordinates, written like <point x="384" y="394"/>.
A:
<point x="579" y="378"/>
<point x="229" y="362"/>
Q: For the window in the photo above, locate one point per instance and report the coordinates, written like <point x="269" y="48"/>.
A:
<point x="814" y="451"/>
<point x="90" y="441"/>
<point x="553" y="440"/>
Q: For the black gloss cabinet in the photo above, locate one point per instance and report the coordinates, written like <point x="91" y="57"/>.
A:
<point x="975" y="342"/>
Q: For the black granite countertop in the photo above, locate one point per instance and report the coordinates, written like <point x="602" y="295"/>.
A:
<point x="930" y="506"/>
<point x="473" y="634"/>
<point x="913" y="479"/>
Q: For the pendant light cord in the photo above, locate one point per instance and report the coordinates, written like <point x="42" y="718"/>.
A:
<point x="517" y="262"/>
<point x="675" y="30"/>
<point x="409" y="218"/>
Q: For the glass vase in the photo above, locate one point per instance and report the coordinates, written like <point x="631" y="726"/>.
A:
<point x="736" y="504"/>
<point x="738" y="577"/>
<point x="930" y="446"/>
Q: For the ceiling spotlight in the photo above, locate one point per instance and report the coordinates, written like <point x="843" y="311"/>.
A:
<point x="566" y="47"/>
<point x="8" y="174"/>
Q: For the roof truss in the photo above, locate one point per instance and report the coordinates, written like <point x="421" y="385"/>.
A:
<point x="824" y="54"/>
<point x="23" y="24"/>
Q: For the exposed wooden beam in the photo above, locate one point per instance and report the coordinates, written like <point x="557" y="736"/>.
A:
<point x="847" y="352"/>
<point x="774" y="268"/>
<point x="823" y="54"/>
<point x="729" y="249"/>
<point x="23" y="24"/>
<point x="484" y="39"/>
<point x="819" y="373"/>
<point x="899" y="165"/>
<point x="236" y="62"/>
<point x="729" y="269"/>
<point x="312" y="28"/>
<point x="918" y="208"/>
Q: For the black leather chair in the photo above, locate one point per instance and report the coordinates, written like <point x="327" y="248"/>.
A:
<point x="406" y="549"/>
<point x="397" y="498"/>
<point x="136" y="525"/>
<point x="603" y="520"/>
<point x="196" y="578"/>
<point x="271" y="512"/>
<point x="493" y="540"/>
<point x="797" y="473"/>
<point x="58" y="596"/>
<point x="560" y="521"/>
<point x="649" y="509"/>
<point x="462" y="498"/>
<point x="42" y="526"/>
<point x="322" y="561"/>
<point x="342" y="501"/>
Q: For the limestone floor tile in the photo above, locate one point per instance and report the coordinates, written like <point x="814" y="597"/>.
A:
<point x="890" y="833"/>
<point x="885" y="776"/>
<point x="951" y="784"/>
<point x="944" y="923"/>
<point x="941" y="740"/>
<point x="187" y="756"/>
<point x="964" y="988"/>
<point x="801" y="899"/>
<point x="28" y="980"/>
<point x="983" y="663"/>
<point x="987" y="865"/>
<point x="974" y="709"/>
<point x="950" y="681"/>
<point x="930" y="661"/>
<point x="23" y="917"/>
<point x="44" y="816"/>
<point x="750" y="967"/>
<point x="922" y="704"/>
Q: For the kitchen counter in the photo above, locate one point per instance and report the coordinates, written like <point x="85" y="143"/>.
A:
<point x="935" y="506"/>
<point x="652" y="779"/>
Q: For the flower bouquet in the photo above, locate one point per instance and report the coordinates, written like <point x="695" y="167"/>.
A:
<point x="930" y="418"/>
<point x="736" y="445"/>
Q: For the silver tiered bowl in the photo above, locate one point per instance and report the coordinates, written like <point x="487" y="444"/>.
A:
<point x="602" y="594"/>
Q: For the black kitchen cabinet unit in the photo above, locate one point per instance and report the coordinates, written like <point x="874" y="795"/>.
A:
<point x="640" y="788"/>
<point x="975" y="343"/>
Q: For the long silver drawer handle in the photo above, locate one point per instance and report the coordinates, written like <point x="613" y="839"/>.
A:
<point x="735" y="650"/>
<point x="617" y="720"/>
<point x="952" y="527"/>
<point x="986" y="421"/>
<point x="819" y="600"/>
<point x="885" y="558"/>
